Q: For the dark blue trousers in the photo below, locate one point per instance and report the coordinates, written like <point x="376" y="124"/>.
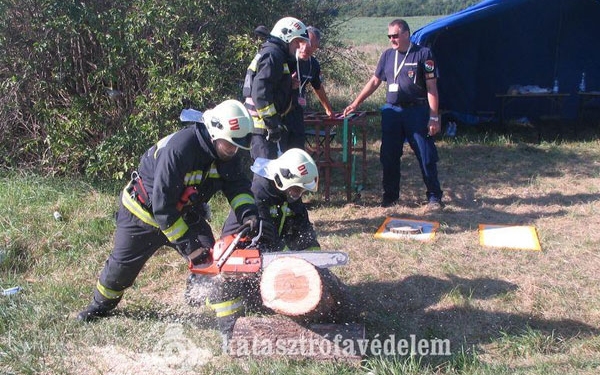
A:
<point x="410" y="124"/>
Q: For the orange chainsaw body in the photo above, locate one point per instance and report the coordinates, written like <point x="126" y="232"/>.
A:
<point x="223" y="259"/>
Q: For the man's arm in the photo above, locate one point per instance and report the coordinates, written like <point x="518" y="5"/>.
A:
<point x="369" y="88"/>
<point x="434" y="125"/>
<point x="322" y="95"/>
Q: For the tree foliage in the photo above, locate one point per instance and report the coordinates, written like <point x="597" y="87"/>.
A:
<point x="403" y="8"/>
<point x="87" y="85"/>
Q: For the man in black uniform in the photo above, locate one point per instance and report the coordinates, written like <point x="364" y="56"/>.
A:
<point x="410" y="112"/>
<point x="268" y="85"/>
<point x="307" y="70"/>
<point x="181" y="172"/>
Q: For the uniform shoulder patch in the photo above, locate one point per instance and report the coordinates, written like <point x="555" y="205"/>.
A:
<point x="429" y="66"/>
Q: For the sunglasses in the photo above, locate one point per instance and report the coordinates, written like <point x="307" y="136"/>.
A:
<point x="395" y="36"/>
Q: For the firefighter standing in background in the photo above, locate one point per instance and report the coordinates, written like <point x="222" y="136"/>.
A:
<point x="268" y="85"/>
<point x="181" y="172"/>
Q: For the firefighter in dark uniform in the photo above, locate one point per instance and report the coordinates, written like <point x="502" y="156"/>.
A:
<point x="181" y="172"/>
<point x="268" y="85"/>
<point x="279" y="202"/>
<point x="285" y="223"/>
<point x="410" y="112"/>
<point x="307" y="70"/>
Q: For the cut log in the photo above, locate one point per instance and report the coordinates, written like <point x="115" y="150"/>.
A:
<point x="293" y="287"/>
<point x="279" y="336"/>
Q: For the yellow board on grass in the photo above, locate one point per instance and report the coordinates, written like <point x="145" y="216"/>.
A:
<point x="521" y="237"/>
<point x="400" y="229"/>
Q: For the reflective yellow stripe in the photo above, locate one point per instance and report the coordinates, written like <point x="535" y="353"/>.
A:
<point x="240" y="200"/>
<point x="108" y="293"/>
<point x="227" y="308"/>
<point x="193" y="178"/>
<point x="259" y="123"/>
<point x="136" y="208"/>
<point x="267" y="111"/>
<point x="176" y="231"/>
<point x="213" y="173"/>
<point x="286" y="68"/>
<point x="254" y="62"/>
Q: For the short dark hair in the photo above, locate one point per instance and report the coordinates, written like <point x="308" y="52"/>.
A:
<point x="316" y="32"/>
<point x="402" y="23"/>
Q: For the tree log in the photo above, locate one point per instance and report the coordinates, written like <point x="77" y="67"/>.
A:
<point x="293" y="287"/>
<point x="279" y="336"/>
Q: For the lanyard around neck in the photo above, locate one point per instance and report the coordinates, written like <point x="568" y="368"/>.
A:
<point x="397" y="68"/>
<point x="302" y="84"/>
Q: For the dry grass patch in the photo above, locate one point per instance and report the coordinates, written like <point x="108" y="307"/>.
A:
<point x="537" y="309"/>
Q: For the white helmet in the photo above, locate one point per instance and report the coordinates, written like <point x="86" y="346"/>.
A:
<point x="230" y="121"/>
<point x="290" y="28"/>
<point x="295" y="167"/>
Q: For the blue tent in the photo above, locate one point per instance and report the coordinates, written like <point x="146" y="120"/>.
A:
<point x="484" y="49"/>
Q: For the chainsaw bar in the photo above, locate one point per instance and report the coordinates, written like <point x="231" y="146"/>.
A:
<point x="321" y="259"/>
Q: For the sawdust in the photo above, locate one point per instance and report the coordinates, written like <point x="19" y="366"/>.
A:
<point x="172" y="354"/>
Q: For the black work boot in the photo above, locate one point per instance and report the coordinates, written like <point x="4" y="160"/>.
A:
<point x="97" y="309"/>
<point x="92" y="312"/>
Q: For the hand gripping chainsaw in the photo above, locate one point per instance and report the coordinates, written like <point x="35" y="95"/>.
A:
<point x="239" y="255"/>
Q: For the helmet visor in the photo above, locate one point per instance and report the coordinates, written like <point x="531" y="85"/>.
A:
<point x="311" y="186"/>
<point x="242" y="142"/>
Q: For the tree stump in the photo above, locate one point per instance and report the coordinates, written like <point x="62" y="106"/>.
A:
<point x="279" y="336"/>
<point x="294" y="287"/>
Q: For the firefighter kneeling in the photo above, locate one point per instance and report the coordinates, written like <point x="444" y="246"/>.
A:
<point x="278" y="193"/>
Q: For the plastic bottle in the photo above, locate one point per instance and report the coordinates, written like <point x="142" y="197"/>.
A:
<point x="11" y="291"/>
<point x="582" y="83"/>
<point x="555" y="88"/>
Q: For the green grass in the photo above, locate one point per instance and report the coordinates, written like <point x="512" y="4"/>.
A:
<point x="504" y="312"/>
<point x="361" y="31"/>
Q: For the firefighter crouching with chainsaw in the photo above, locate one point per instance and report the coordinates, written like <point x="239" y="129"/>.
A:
<point x="279" y="201"/>
<point x="280" y="211"/>
<point x="181" y="172"/>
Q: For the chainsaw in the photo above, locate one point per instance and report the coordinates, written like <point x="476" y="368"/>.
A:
<point x="239" y="255"/>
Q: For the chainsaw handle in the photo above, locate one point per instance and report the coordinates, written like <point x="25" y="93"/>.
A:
<point x="243" y="231"/>
<point x="255" y="239"/>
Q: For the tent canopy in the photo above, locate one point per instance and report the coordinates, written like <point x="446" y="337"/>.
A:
<point x="484" y="49"/>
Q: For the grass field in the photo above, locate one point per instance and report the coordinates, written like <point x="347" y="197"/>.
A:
<point x="361" y="31"/>
<point x="503" y="311"/>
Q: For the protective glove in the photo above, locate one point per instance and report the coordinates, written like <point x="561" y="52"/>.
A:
<point x="252" y="222"/>
<point x="269" y="232"/>
<point x="274" y="134"/>
<point x="190" y="248"/>
<point x="199" y="256"/>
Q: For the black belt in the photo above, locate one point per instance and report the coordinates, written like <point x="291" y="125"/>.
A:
<point x="412" y="103"/>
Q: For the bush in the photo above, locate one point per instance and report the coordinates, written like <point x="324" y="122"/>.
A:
<point x="86" y="86"/>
